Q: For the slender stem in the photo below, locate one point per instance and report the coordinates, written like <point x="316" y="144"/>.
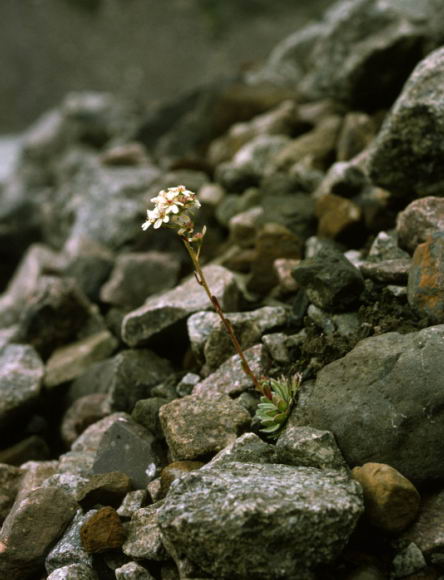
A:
<point x="227" y="324"/>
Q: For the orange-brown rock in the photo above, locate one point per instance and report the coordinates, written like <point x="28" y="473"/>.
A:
<point x="425" y="288"/>
<point x="391" y="501"/>
<point x="102" y="531"/>
<point x="336" y="215"/>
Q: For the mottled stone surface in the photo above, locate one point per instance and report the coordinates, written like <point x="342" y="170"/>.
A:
<point x="83" y="413"/>
<point x="132" y="571"/>
<point x="173" y="471"/>
<point x="425" y="289"/>
<point x="73" y="572"/>
<point x="197" y="426"/>
<point x="105" y="488"/>
<point x="10" y="477"/>
<point x="226" y="519"/>
<point x="159" y="313"/>
<point x="21" y="374"/>
<point x="391" y="502"/>
<point x="406" y="158"/>
<point x="144" y="540"/>
<point x="383" y="402"/>
<point x="427" y="532"/>
<point x="248" y="448"/>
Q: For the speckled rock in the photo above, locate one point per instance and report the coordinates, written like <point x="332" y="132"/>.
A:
<point x="391" y="501"/>
<point x="230" y="379"/>
<point x="139" y="275"/>
<point x="418" y="221"/>
<point x="68" y="362"/>
<point x="144" y="539"/>
<point x="102" y="531"/>
<point x="73" y="572"/>
<point x="408" y="150"/>
<point x="198" y="426"/>
<point x="225" y="519"/>
<point x="425" y="289"/>
<point x="308" y="447"/>
<point x="248" y="448"/>
<point x="387" y="271"/>
<point x="407" y="562"/>
<point x="21" y="374"/>
<point x="174" y="470"/>
<point x="383" y="403"/>
<point x="30" y="529"/>
<point x="132" y="571"/>
<point x="68" y="550"/>
<point x="132" y="502"/>
<point x="163" y="311"/>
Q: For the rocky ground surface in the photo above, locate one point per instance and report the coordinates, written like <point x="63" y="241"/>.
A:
<point x="129" y="447"/>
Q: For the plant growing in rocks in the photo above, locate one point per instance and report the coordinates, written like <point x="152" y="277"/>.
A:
<point x="174" y="208"/>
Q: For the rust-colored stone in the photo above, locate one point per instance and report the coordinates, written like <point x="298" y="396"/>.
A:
<point x="102" y="531"/>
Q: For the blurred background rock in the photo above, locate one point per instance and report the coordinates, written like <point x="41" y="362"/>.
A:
<point x="144" y="49"/>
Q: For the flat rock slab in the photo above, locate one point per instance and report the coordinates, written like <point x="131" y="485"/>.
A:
<point x="161" y="312"/>
<point x="384" y="402"/>
<point x="245" y="520"/>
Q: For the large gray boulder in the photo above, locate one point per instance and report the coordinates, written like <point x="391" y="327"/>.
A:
<point x="360" y="54"/>
<point x="245" y="520"/>
<point x="407" y="156"/>
<point x="384" y="402"/>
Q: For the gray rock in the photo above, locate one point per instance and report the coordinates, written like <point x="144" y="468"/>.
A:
<point x="68" y="362"/>
<point x="198" y="426"/>
<point x="107" y="488"/>
<point x="360" y="54"/>
<point x="161" y="312"/>
<point x="408" y="561"/>
<point x="21" y="374"/>
<point x="10" y="477"/>
<point x="407" y="154"/>
<point x="28" y="449"/>
<point x="387" y="271"/>
<point x="132" y="502"/>
<point x="83" y="413"/>
<point x="68" y="550"/>
<point x="144" y="539"/>
<point x="134" y="374"/>
<point x="209" y="338"/>
<point x="71" y="483"/>
<point x="80" y="459"/>
<point x="308" y="447"/>
<point x="249" y="163"/>
<point x="383" y="403"/>
<point x="35" y="473"/>
<point x="31" y="528"/>
<point x="276" y="346"/>
<point x="54" y="315"/>
<point x="420" y="219"/>
<point x="230" y="378"/>
<point x="248" y="448"/>
<point x="146" y="413"/>
<point x="127" y="447"/>
<point x="225" y="519"/>
<point x="428" y="531"/>
<point x="139" y="275"/>
<point x="329" y="280"/>
<point x="186" y="384"/>
<point x="385" y="247"/>
<point x="132" y="571"/>
<point x="73" y="572"/>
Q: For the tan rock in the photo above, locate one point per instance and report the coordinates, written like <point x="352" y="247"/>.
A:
<point x="391" y="501"/>
<point x="336" y="214"/>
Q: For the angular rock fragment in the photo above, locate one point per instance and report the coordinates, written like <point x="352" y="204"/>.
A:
<point x="159" y="313"/>
<point x="197" y="426"/>
<point x="225" y="519"/>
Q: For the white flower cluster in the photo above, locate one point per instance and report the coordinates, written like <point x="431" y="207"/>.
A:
<point x="173" y="207"/>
